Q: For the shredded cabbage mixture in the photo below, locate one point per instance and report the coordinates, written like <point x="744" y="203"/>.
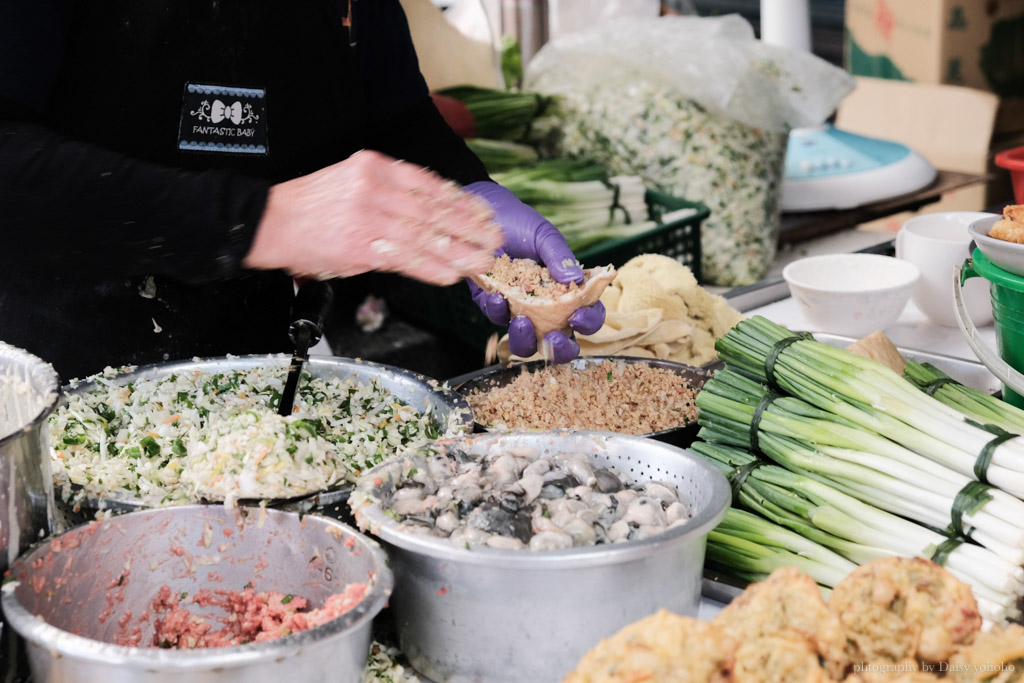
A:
<point x="198" y="436"/>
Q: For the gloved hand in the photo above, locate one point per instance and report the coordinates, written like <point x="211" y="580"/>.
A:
<point x="530" y="235"/>
<point x="371" y="212"/>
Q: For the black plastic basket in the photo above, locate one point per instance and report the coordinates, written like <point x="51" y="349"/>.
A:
<point x="451" y="311"/>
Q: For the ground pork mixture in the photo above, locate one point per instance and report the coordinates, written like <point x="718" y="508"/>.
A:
<point x="250" y="616"/>
<point x="628" y="398"/>
<point x="529" y="276"/>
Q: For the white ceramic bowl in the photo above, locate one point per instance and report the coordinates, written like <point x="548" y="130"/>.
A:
<point x="851" y="294"/>
<point x="1007" y="255"/>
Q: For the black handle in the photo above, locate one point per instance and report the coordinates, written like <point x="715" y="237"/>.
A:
<point x="309" y="310"/>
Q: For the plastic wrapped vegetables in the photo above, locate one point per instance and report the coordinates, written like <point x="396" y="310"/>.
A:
<point x="699" y="109"/>
<point x="653" y="132"/>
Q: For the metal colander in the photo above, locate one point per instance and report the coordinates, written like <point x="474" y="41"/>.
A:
<point x="519" y="615"/>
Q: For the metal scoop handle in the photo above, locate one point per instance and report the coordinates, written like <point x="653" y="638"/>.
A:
<point x="309" y="309"/>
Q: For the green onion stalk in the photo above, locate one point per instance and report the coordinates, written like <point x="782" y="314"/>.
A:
<point x="977" y="405"/>
<point x="876" y="471"/>
<point x="860" y="532"/>
<point x="868" y="394"/>
<point x="751" y="547"/>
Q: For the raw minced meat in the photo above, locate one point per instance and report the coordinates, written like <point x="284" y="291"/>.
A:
<point x="629" y="398"/>
<point x="250" y="617"/>
<point x="529" y="276"/>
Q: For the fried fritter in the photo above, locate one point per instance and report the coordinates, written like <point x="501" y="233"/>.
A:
<point x="898" y="608"/>
<point x="788" y="603"/>
<point x="1011" y="227"/>
<point x="661" y="648"/>
<point x="994" y="657"/>
<point x="774" y="659"/>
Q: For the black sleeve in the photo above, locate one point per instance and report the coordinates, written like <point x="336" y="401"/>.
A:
<point x="406" y="125"/>
<point x="69" y="204"/>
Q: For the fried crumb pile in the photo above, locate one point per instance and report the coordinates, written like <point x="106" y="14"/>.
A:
<point x="628" y="398"/>
<point x="898" y="620"/>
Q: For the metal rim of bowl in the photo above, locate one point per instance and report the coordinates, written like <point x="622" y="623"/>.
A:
<point x="706" y="519"/>
<point x="37" y="631"/>
<point x="476" y="380"/>
<point x="53" y="389"/>
<point x="461" y="415"/>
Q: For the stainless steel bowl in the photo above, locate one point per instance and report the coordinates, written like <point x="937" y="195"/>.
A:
<point x="516" y="615"/>
<point x="81" y="592"/>
<point x="28" y="394"/>
<point x="501" y="375"/>
<point x="419" y="391"/>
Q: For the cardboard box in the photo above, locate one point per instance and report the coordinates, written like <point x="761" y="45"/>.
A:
<point x="952" y="127"/>
<point x="973" y="43"/>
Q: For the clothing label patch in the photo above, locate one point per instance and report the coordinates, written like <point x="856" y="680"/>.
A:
<point x="224" y="119"/>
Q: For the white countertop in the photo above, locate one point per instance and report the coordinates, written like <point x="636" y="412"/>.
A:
<point x="911" y="331"/>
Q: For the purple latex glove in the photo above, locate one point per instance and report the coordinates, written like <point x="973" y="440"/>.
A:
<point x="530" y="235"/>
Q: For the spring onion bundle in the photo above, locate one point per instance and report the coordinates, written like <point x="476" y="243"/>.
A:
<point x="858" y="532"/>
<point x="869" y="395"/>
<point x="583" y="202"/>
<point x="751" y="548"/>
<point x="863" y="462"/>
<point x="499" y="114"/>
<point x="872" y="469"/>
<point x="975" y="404"/>
<point x="502" y="155"/>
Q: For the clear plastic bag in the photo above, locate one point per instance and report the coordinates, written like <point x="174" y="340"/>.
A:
<point x="700" y="109"/>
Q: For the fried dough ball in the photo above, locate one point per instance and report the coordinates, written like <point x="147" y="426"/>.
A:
<point x="994" y="657"/>
<point x="661" y="648"/>
<point x="899" y="608"/>
<point x="775" y="659"/>
<point x="788" y="603"/>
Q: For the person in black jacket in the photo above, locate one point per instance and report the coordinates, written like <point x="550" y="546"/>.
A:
<point x="168" y="166"/>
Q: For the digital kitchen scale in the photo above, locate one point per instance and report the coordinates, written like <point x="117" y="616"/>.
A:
<point x="828" y="168"/>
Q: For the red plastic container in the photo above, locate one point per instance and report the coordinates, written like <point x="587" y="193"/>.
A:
<point x="1013" y="161"/>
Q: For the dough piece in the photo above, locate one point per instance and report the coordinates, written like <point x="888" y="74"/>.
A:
<point x="530" y="292"/>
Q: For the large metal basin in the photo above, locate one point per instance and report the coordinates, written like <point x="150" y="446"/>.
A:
<point x="80" y="593"/>
<point x="419" y="391"/>
<point x="516" y="615"/>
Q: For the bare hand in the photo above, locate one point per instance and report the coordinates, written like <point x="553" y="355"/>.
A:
<point x="371" y="212"/>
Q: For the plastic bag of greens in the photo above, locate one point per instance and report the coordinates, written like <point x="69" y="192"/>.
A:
<point x="700" y="109"/>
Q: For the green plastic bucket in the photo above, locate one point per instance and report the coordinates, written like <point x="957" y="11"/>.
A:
<point x="1008" y="319"/>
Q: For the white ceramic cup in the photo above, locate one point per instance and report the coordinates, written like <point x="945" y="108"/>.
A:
<point x="936" y="243"/>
